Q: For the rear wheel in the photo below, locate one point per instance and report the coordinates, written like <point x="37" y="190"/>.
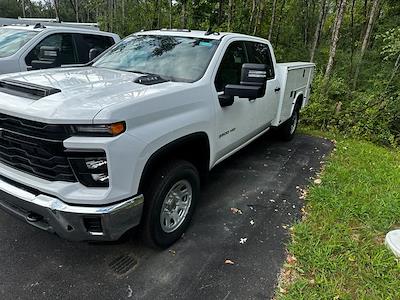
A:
<point x="170" y="200"/>
<point x="288" y="129"/>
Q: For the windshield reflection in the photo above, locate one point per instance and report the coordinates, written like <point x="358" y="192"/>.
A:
<point x="172" y="58"/>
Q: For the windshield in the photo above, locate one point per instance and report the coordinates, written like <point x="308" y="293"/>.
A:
<point x="11" y="40"/>
<point x="172" y="58"/>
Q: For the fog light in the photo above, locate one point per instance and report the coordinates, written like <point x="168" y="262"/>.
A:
<point x="90" y="168"/>
<point x="95" y="164"/>
<point x="103" y="177"/>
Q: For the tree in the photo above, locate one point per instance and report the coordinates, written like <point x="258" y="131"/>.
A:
<point x="318" y="28"/>
<point x="230" y="12"/>
<point x="366" y="39"/>
<point x="253" y="10"/>
<point x="258" y="17"/>
<point x="391" y="49"/>
<point x="184" y="13"/>
<point x="335" y="38"/>
<point x="271" y="25"/>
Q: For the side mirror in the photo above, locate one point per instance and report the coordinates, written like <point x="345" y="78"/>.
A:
<point x="252" y="85"/>
<point x="254" y="74"/>
<point x="49" y="57"/>
<point x="93" y="53"/>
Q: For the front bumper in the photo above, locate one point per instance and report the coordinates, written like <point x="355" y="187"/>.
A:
<point x="76" y="223"/>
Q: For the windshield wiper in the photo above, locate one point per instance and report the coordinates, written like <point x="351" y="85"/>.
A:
<point x="160" y="77"/>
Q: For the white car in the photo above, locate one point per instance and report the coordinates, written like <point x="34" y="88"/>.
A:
<point x="91" y="152"/>
<point x="30" y="47"/>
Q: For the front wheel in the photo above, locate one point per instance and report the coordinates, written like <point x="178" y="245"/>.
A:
<point x="170" y="200"/>
<point x="288" y="129"/>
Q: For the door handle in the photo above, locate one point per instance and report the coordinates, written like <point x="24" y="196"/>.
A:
<point x="277" y="89"/>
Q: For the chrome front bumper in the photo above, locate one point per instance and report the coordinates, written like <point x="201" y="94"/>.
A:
<point x="77" y="223"/>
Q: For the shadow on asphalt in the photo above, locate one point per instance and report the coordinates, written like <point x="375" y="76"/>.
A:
<point x="261" y="181"/>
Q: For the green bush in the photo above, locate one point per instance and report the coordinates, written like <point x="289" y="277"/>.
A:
<point x="371" y="114"/>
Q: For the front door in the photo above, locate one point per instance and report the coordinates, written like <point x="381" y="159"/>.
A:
<point x="244" y="119"/>
<point x="238" y="122"/>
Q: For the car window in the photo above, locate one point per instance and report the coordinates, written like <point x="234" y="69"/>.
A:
<point x="62" y="41"/>
<point x="230" y="69"/>
<point x="11" y="40"/>
<point x="259" y="54"/>
<point x="86" y="42"/>
<point x="172" y="57"/>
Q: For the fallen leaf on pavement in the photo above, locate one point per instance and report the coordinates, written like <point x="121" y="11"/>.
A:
<point x="282" y="290"/>
<point x="291" y="259"/>
<point x="229" y="262"/>
<point x="236" y="210"/>
<point x="243" y="240"/>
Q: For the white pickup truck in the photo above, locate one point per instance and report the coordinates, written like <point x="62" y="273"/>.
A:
<point x="90" y="152"/>
<point x="39" y="46"/>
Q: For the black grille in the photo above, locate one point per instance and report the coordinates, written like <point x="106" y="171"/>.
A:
<point x="34" y="147"/>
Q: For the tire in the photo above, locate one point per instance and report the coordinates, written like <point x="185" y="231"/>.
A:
<point x="287" y="130"/>
<point x="179" y="177"/>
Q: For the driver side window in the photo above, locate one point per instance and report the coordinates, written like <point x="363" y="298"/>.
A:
<point x="230" y="69"/>
<point x="63" y="41"/>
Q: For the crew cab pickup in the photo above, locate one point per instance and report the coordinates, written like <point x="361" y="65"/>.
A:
<point x="32" y="47"/>
<point x="91" y="152"/>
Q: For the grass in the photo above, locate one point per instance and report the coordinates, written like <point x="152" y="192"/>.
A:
<point x="337" y="251"/>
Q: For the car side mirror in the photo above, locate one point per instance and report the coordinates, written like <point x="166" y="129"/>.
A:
<point x="252" y="85"/>
<point x="93" y="53"/>
<point x="49" y="57"/>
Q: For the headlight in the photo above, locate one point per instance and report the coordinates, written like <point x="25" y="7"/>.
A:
<point x="99" y="130"/>
<point x="90" y="168"/>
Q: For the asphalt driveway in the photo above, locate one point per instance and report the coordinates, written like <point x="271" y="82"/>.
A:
<point x="260" y="183"/>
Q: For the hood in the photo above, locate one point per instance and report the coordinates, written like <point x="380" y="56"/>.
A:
<point x="83" y="93"/>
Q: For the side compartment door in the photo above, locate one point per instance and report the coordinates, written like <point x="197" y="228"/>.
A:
<point x="235" y="123"/>
<point x="259" y="53"/>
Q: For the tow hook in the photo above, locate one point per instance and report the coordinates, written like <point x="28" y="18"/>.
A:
<point x="32" y="217"/>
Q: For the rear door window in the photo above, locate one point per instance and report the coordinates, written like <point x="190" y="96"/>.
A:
<point x="86" y="42"/>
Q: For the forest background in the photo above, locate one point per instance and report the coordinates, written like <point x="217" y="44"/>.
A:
<point x="355" y="44"/>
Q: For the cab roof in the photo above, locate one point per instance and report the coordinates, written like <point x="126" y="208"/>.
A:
<point x="194" y="33"/>
<point x="42" y="27"/>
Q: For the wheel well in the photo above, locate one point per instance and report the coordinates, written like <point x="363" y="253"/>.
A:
<point x="194" y="148"/>
<point x="299" y="101"/>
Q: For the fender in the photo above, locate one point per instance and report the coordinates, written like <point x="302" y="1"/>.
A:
<point x="299" y="99"/>
<point x="196" y="148"/>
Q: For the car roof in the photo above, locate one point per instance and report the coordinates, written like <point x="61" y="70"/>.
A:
<point x="195" y="34"/>
<point x="57" y="28"/>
